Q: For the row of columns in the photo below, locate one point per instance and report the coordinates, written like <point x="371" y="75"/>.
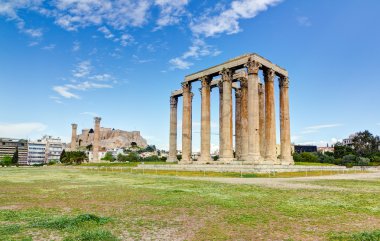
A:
<point x="255" y="136"/>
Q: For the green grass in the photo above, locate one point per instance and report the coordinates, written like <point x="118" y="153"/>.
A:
<point x="312" y="164"/>
<point x="76" y="204"/>
<point x="131" y="170"/>
<point x="123" y="164"/>
<point x="360" y="236"/>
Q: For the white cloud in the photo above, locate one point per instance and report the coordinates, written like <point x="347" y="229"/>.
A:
<point x="64" y="92"/>
<point x="101" y="77"/>
<point x="107" y="33"/>
<point x="87" y="85"/>
<point x="20" y="130"/>
<point x="171" y="12"/>
<point x="9" y="10"/>
<point x="82" y="69"/>
<point x="49" y="47"/>
<point x="318" y="127"/>
<point x="198" y="49"/>
<point x="178" y="63"/>
<point x="141" y="61"/>
<point x="227" y="21"/>
<point x="76" y="46"/>
<point x="304" y="21"/>
<point x="89" y="113"/>
<point x="87" y="81"/>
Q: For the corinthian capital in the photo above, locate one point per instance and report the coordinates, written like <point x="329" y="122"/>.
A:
<point x="173" y="101"/>
<point x="243" y="82"/>
<point x="269" y="75"/>
<point x="284" y="82"/>
<point x="226" y="75"/>
<point x="205" y="81"/>
<point x="186" y="86"/>
<point x="252" y="66"/>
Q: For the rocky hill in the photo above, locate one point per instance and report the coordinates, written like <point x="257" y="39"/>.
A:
<point x="111" y="138"/>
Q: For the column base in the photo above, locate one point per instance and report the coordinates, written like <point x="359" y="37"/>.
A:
<point x="287" y="161"/>
<point x="172" y="159"/>
<point x="226" y="160"/>
<point x="254" y="159"/>
<point x="204" y="160"/>
<point x="185" y="162"/>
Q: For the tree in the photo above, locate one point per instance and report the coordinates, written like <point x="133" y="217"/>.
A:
<point x="108" y="157"/>
<point x="7" y="161"/>
<point x="341" y="150"/>
<point x="15" y="156"/>
<point x="74" y="157"/>
<point x="121" y="158"/>
<point x="365" y="143"/>
<point x="63" y="153"/>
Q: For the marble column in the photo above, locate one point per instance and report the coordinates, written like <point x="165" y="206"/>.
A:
<point x="173" y="130"/>
<point x="262" y="119"/>
<point x="220" y="85"/>
<point x="73" y="145"/>
<point x="286" y="152"/>
<point x="228" y="154"/>
<point x="95" y="147"/>
<point x="270" y="118"/>
<point x="205" y="156"/>
<point x="253" y="68"/>
<point x="244" y="118"/>
<point x="238" y="130"/>
<point x="186" y="124"/>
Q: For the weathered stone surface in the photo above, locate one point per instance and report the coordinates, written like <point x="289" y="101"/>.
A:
<point x="111" y="138"/>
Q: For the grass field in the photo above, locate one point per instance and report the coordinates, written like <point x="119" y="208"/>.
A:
<point x="76" y="204"/>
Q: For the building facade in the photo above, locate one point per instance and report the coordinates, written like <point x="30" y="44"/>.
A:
<point x="54" y="148"/>
<point x="36" y="152"/>
<point x="8" y="147"/>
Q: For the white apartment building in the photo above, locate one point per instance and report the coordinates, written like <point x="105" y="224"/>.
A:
<point x="36" y="152"/>
<point x="54" y="148"/>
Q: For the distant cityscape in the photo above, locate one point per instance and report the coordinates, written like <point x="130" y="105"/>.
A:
<point x="49" y="149"/>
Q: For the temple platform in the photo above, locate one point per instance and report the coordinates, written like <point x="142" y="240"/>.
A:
<point x="246" y="168"/>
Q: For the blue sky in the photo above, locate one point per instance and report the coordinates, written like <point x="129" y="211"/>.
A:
<point x="64" y="61"/>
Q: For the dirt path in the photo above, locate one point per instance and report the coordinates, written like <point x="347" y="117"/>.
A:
<point x="290" y="183"/>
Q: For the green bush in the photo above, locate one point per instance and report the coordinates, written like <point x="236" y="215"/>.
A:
<point x="52" y="162"/>
<point x="153" y="158"/>
<point x="7" y="161"/>
<point x="305" y="157"/>
<point x="108" y="157"/>
<point x="133" y="157"/>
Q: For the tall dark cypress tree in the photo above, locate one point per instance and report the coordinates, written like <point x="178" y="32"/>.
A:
<point x="63" y="154"/>
<point x="15" y="156"/>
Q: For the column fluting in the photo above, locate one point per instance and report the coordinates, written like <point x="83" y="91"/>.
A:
<point x="253" y="111"/>
<point x="205" y="156"/>
<point x="270" y="118"/>
<point x="173" y="130"/>
<point x="186" y="123"/>
<point x="262" y="119"/>
<point x="228" y="155"/>
<point x="286" y="152"/>
<point x="238" y="129"/>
